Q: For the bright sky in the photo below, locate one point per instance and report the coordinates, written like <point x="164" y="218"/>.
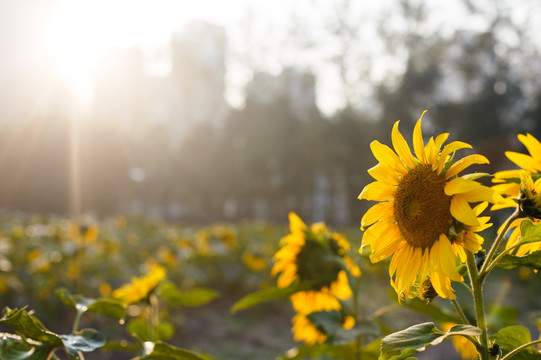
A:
<point x="82" y="30"/>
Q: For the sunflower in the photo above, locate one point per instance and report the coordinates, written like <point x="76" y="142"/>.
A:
<point x="305" y="303"/>
<point x="423" y="219"/>
<point x="522" y="187"/>
<point x="314" y="256"/>
<point x="523" y="182"/>
<point x="140" y="287"/>
<point x="308" y="302"/>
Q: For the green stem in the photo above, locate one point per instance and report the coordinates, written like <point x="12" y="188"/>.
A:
<point x="384" y="310"/>
<point x="153" y="319"/>
<point x="498" y="258"/>
<point x="520" y="348"/>
<point x="499" y="238"/>
<point x="477" y="287"/>
<point x="76" y="321"/>
<point x="356" y="311"/>
<point x="460" y="312"/>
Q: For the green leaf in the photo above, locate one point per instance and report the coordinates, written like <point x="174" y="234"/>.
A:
<point x="511" y="337"/>
<point x="165" y="330"/>
<point x="529" y="232"/>
<point x="330" y="322"/>
<point x="162" y="351"/>
<point x="405" y="343"/>
<point x="138" y="327"/>
<point x="531" y="260"/>
<point x="29" y="326"/>
<point x="106" y="306"/>
<point x="268" y="295"/>
<point x="192" y="298"/>
<point x="85" y="340"/>
<point x="500" y="316"/>
<point x="12" y="347"/>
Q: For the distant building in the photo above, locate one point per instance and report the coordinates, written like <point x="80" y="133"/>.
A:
<point x="191" y="94"/>
<point x="297" y="87"/>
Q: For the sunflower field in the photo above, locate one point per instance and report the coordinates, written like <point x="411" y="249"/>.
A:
<point x="412" y="281"/>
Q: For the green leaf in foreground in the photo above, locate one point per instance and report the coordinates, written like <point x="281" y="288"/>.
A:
<point x="13" y="347"/>
<point x="29" y="326"/>
<point x="405" y="343"/>
<point x="270" y="294"/>
<point x="531" y="260"/>
<point x="192" y="298"/>
<point x="86" y="340"/>
<point x="162" y="351"/>
<point x="512" y="337"/>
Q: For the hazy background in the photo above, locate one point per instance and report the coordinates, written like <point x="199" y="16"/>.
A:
<point x="214" y="110"/>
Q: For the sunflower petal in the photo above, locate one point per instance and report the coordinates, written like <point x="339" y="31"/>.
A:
<point x="376" y="213"/>
<point x="459" y="185"/>
<point x="401" y="147"/>
<point x="449" y="149"/>
<point x="507" y="203"/>
<point x="296" y="225"/>
<point x="442" y="285"/>
<point x="386" y="246"/>
<point x="532" y="144"/>
<point x="382" y="173"/>
<point x="509" y="189"/>
<point x="483" y="193"/>
<point x="440" y="139"/>
<point x="507" y="174"/>
<point x="418" y="144"/>
<point x="524" y="161"/>
<point x="375" y="232"/>
<point x="377" y="191"/>
<point x="387" y="156"/>
<point x="446" y="258"/>
<point x="464" y="163"/>
<point x="431" y="153"/>
<point x="460" y="209"/>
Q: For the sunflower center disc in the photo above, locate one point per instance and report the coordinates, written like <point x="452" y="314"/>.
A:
<point x="421" y="207"/>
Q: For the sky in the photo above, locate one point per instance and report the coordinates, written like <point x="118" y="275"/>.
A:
<point x="76" y="33"/>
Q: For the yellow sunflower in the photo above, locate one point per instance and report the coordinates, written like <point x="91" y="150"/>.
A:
<point x="305" y="303"/>
<point x="423" y="219"/>
<point x="140" y="287"/>
<point x="514" y="183"/>
<point x="314" y="256"/>
<point x="308" y="302"/>
<point x="522" y="187"/>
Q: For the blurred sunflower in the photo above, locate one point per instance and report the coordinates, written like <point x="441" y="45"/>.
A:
<point x="522" y="188"/>
<point x="140" y="287"/>
<point x="314" y="256"/>
<point x="423" y="219"/>
<point x="462" y="345"/>
<point x="308" y="302"/>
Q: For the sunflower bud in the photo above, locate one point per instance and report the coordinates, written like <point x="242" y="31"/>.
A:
<point x="529" y="200"/>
